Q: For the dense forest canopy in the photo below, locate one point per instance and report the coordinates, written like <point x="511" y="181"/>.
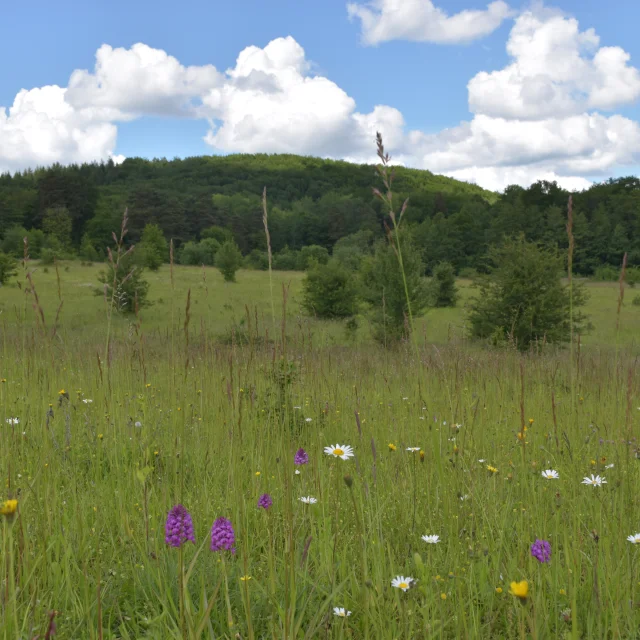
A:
<point x="312" y="202"/>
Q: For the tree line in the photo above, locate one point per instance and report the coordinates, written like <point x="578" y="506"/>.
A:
<point x="316" y="208"/>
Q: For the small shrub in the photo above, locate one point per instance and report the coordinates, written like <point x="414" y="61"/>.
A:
<point x="7" y="267"/>
<point x="523" y="299"/>
<point x="152" y="250"/>
<point x="330" y="291"/>
<point x="607" y="273"/>
<point x="636" y="301"/>
<point x="228" y="260"/>
<point x="129" y="284"/>
<point x="442" y="288"/>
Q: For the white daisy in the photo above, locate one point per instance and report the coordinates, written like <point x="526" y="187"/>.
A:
<point x="308" y="419"/>
<point x="13" y="421"/>
<point x="402" y="583"/>
<point x="594" y="481"/>
<point x="634" y="539"/>
<point x="87" y="400"/>
<point x="413" y="449"/>
<point x="308" y="500"/>
<point x="481" y="460"/>
<point x="297" y="472"/>
<point x="434" y="539"/>
<point x="610" y="466"/>
<point x="550" y="474"/>
<point x="343" y="451"/>
<point x="464" y="497"/>
<point x="341" y="612"/>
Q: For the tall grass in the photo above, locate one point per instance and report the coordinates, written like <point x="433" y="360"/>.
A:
<point x="94" y="489"/>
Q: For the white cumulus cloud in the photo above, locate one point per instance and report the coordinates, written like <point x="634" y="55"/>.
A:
<point x="546" y="115"/>
<point x="557" y="71"/>
<point x="422" y="21"/>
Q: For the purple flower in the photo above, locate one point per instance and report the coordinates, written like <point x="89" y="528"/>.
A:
<point x="179" y="527"/>
<point x="222" y="536"/>
<point x="301" y="457"/>
<point x="541" y="550"/>
<point x="265" y="501"/>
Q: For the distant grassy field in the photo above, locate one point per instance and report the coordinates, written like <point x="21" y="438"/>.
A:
<point x="449" y="440"/>
<point x="217" y="306"/>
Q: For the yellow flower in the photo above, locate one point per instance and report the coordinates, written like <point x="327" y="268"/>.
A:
<point x="245" y="578"/>
<point x="443" y="596"/>
<point x="498" y="589"/>
<point x="530" y="420"/>
<point x="520" y="435"/>
<point x="8" y="507"/>
<point x="61" y="392"/>
<point x="257" y="473"/>
<point x="3" y="380"/>
<point x="563" y="592"/>
<point x="519" y="589"/>
<point x="100" y="436"/>
<point x="492" y="469"/>
<point x="421" y="456"/>
<point x="392" y="447"/>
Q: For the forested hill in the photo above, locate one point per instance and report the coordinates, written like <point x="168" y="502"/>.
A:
<point x="313" y="202"/>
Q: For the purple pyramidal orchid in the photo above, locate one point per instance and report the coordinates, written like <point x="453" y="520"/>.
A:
<point x="265" y="501"/>
<point x="301" y="457"/>
<point x="222" y="536"/>
<point x="541" y="550"/>
<point x="179" y="527"/>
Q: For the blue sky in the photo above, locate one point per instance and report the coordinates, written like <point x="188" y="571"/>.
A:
<point x="42" y="43"/>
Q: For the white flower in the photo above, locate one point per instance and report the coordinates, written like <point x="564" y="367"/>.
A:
<point x="594" y="481"/>
<point x="481" y="460"/>
<point x="341" y="611"/>
<point x="413" y="449"/>
<point x="405" y="398"/>
<point x="297" y="407"/>
<point x="550" y="474"/>
<point x="343" y="451"/>
<point x="402" y="583"/>
<point x="634" y="539"/>
<point x="308" y="419"/>
<point x="13" y="421"/>
<point x="87" y="400"/>
<point x="308" y="500"/>
<point x="138" y="424"/>
<point x="434" y="539"/>
<point x="464" y="497"/>
<point x="457" y="426"/>
<point x="610" y="466"/>
<point x="297" y="472"/>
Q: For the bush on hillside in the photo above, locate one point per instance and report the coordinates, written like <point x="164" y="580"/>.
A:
<point x="152" y="251"/>
<point x="124" y="284"/>
<point x="442" y="287"/>
<point x="523" y="300"/>
<point x="229" y="260"/>
<point x="8" y="268"/>
<point x="383" y="288"/>
<point x="330" y="291"/>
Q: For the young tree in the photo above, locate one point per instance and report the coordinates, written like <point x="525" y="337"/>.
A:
<point x="330" y="291"/>
<point x="130" y="287"/>
<point x="152" y="247"/>
<point x="523" y="298"/>
<point x="57" y="222"/>
<point x="442" y="287"/>
<point x="228" y="260"/>
<point x="7" y="267"/>
<point x="383" y="288"/>
<point x="87" y="251"/>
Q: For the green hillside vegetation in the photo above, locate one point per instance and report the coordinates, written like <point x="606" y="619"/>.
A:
<point x="70" y="211"/>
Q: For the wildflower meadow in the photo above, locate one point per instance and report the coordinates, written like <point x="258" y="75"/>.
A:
<point x="179" y="487"/>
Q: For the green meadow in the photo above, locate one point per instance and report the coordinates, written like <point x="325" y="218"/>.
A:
<point x="204" y="399"/>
